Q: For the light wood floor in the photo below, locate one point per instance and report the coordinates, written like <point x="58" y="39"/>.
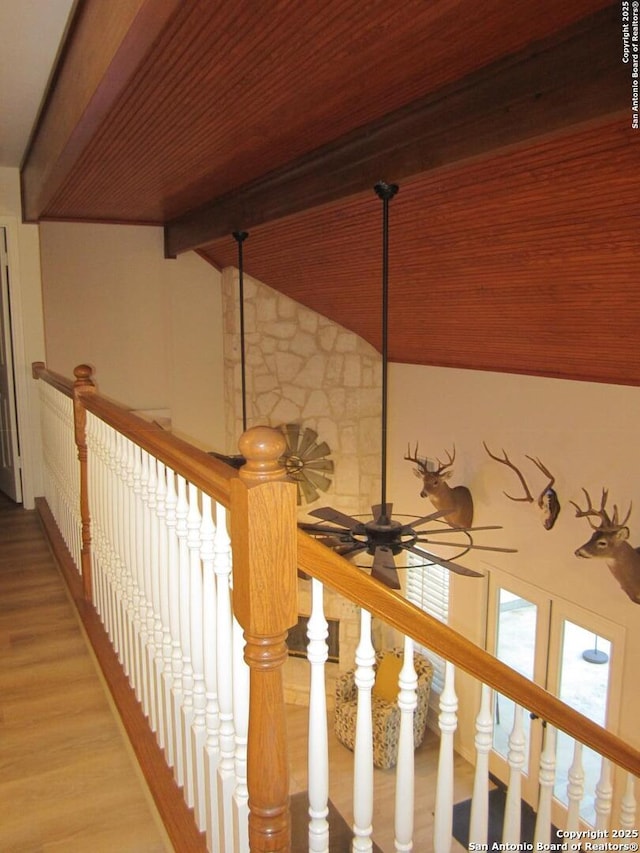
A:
<point x="68" y="779"/>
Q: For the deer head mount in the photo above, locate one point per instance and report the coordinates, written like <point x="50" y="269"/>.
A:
<point x="456" y="502"/>
<point x="547" y="501"/>
<point x="609" y="542"/>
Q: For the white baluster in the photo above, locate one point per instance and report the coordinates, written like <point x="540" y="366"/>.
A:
<point x="226" y="765"/>
<point x="151" y="561"/>
<point x="182" y="597"/>
<point x="138" y="596"/>
<point x="186" y="710"/>
<point x="241" y="719"/>
<point x="155" y="625"/>
<point x="628" y="804"/>
<point x="196" y="729"/>
<point x="448" y="722"/>
<point x="604" y="796"/>
<point x="318" y="750"/>
<point x="207" y="556"/>
<point x="479" y="821"/>
<point x="174" y="682"/>
<point x="121" y="584"/>
<point x="128" y="555"/>
<point x="542" y="833"/>
<point x="405" y="773"/>
<point x="212" y="716"/>
<point x="168" y="551"/>
<point x="575" y="788"/>
<point x="363" y="748"/>
<point x="515" y="759"/>
<point x="162" y="635"/>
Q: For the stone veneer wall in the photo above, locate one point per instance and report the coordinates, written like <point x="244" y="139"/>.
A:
<point x="303" y="368"/>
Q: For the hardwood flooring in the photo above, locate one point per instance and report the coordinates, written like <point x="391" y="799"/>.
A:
<point x="68" y="778"/>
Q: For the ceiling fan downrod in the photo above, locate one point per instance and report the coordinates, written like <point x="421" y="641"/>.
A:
<point x="240" y="237"/>
<point x="385" y="192"/>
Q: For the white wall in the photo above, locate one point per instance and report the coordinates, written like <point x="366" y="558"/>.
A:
<point x="150" y="327"/>
<point x="586" y="434"/>
<point x="24" y="261"/>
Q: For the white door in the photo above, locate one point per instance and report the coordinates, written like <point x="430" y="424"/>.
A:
<point x="519" y="616"/>
<point x="10" y="478"/>
<point x="576" y="655"/>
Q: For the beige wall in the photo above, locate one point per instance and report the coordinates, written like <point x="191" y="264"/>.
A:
<point x="24" y="262"/>
<point x="586" y="434"/>
<point x="150" y="327"/>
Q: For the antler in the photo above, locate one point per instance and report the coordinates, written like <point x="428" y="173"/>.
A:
<point x="605" y="522"/>
<point x="544" y="470"/>
<point x="601" y="513"/>
<point x="420" y="461"/>
<point x="506" y="461"/>
<point x="442" y="466"/>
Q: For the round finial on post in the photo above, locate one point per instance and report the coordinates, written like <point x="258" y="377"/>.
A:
<point x="263" y="448"/>
<point x="84" y="376"/>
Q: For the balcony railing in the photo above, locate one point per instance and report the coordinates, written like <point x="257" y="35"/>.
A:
<point x="192" y="570"/>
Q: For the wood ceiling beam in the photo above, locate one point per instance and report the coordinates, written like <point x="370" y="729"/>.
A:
<point x="105" y="46"/>
<point x="571" y="78"/>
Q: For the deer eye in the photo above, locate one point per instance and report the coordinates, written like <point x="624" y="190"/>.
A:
<point x="602" y="543"/>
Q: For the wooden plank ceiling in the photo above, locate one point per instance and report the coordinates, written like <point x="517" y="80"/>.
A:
<point x="514" y="234"/>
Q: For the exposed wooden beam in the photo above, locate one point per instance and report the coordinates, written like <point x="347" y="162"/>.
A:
<point x="572" y="78"/>
<point x="105" y="45"/>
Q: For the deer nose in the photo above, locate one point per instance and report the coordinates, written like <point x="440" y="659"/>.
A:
<point x="580" y="553"/>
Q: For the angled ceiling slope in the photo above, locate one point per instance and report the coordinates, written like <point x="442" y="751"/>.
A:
<point x="516" y="220"/>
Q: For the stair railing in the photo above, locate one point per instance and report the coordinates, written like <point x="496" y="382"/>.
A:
<point x="199" y="625"/>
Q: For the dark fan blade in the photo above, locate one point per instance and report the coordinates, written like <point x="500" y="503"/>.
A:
<point x="469" y="546"/>
<point x="378" y="511"/>
<point x="322" y="528"/>
<point x="349" y="550"/>
<point x="432" y="517"/>
<point x="327" y="513"/>
<point x="448" y="529"/>
<point x="447" y="564"/>
<point x="384" y="568"/>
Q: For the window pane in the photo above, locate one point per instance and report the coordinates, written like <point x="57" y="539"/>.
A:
<point x="515" y="646"/>
<point x="584" y="685"/>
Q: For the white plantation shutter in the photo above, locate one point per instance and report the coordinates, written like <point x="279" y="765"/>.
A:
<point x="428" y="589"/>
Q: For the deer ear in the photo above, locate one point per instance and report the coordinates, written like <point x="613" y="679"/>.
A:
<point x="622" y="534"/>
<point x="446" y="475"/>
<point x="417" y="473"/>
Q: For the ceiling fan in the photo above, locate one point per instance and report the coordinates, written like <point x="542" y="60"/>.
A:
<point x="382" y="538"/>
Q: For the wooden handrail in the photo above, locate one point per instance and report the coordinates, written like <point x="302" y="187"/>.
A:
<point x="195" y="465"/>
<point x="342" y="576"/>
<point x="40" y="371"/>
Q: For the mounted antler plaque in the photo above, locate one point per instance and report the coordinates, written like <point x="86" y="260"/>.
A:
<point x="609" y="541"/>
<point x="547" y="502"/>
<point x="456" y="503"/>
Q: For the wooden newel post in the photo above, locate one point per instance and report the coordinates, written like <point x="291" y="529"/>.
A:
<point x="83" y="384"/>
<point x="265" y="602"/>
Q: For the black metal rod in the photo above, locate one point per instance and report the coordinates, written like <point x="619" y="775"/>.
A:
<point x="385" y="192"/>
<point x="240" y="237"/>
